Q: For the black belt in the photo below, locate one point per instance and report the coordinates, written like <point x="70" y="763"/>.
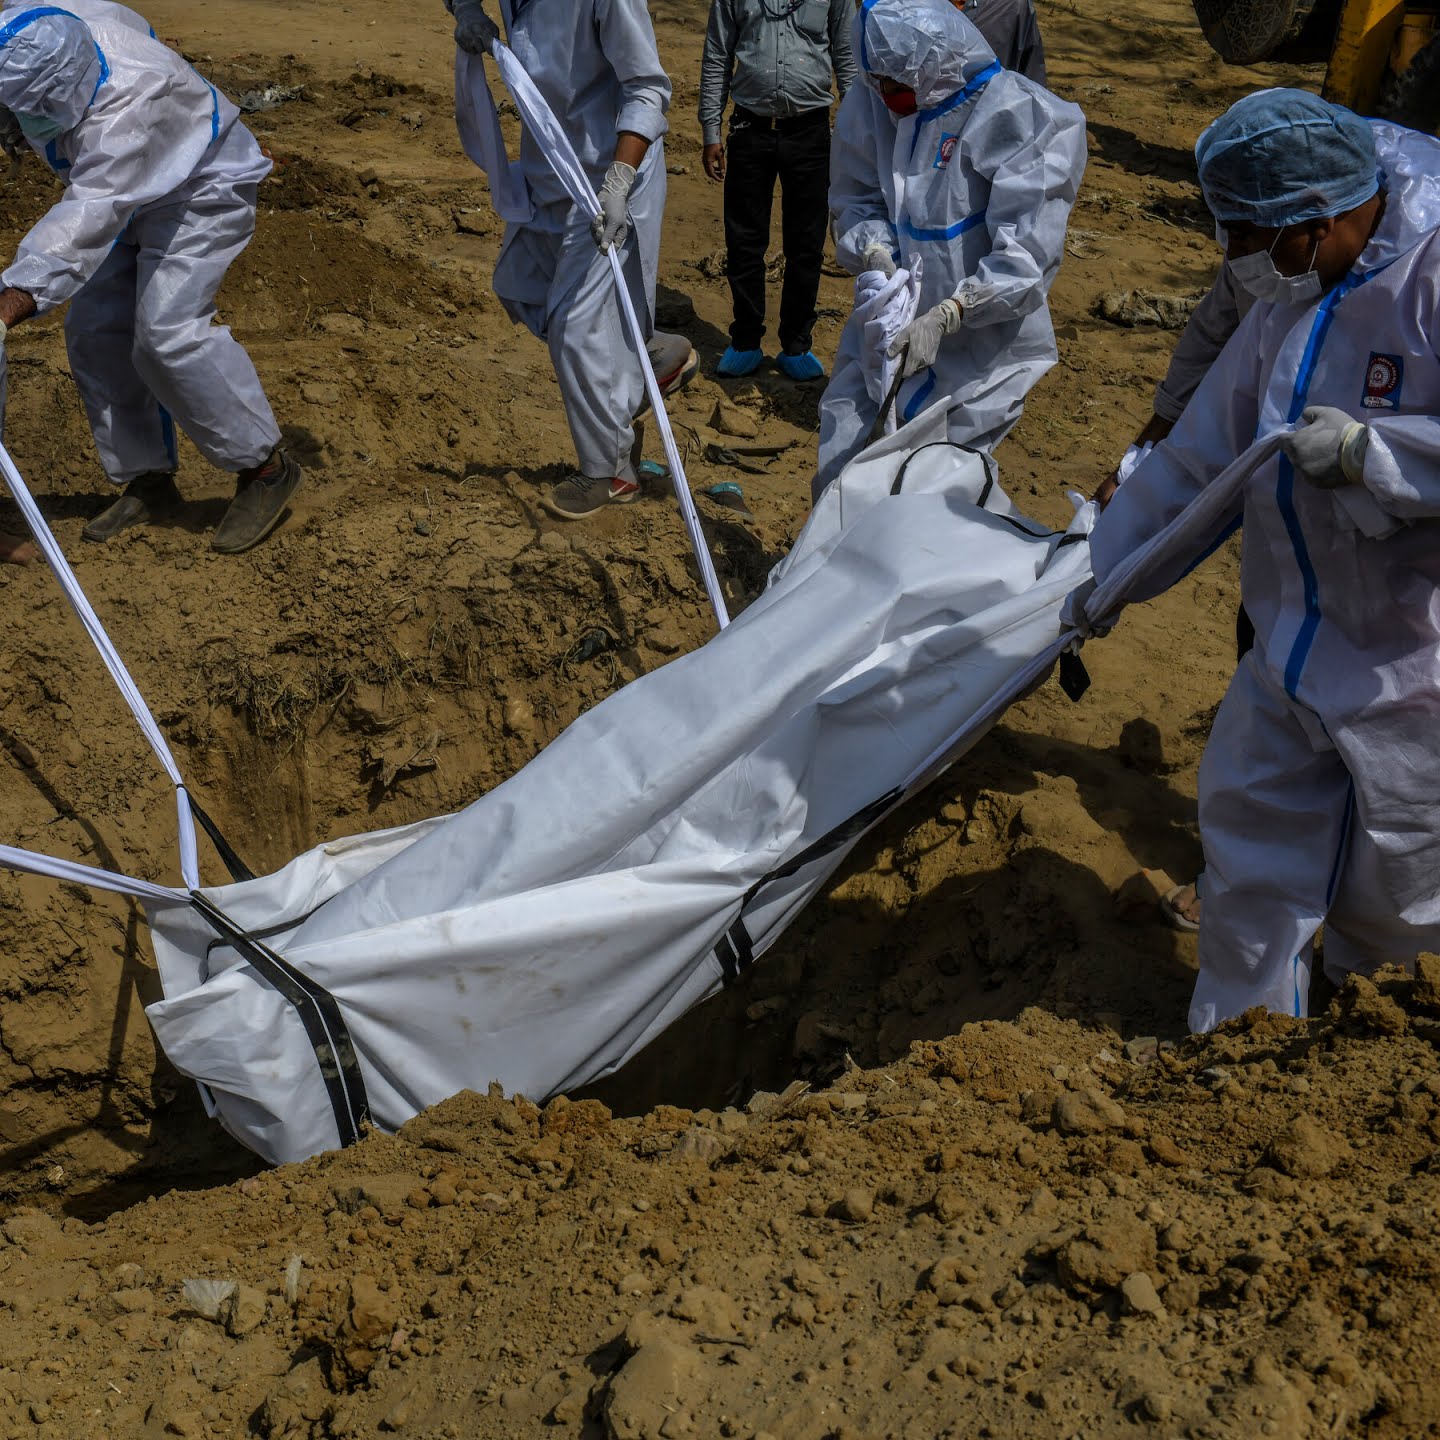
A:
<point x="743" y="119"/>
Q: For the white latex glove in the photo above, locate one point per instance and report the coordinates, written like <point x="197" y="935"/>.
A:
<point x="1072" y="613"/>
<point x="1328" y="447"/>
<point x="1131" y="459"/>
<point x="612" y="224"/>
<point x="924" y="334"/>
<point x="878" y="257"/>
<point x="475" y="32"/>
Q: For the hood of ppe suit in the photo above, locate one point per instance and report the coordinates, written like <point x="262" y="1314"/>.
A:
<point x="50" y="65"/>
<point x="930" y="47"/>
<point x="1410" y="173"/>
<point x="1280" y="157"/>
<point x="93" y="12"/>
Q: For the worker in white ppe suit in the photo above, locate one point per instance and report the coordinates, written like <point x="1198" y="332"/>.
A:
<point x="138" y="244"/>
<point x="944" y="158"/>
<point x="15" y="549"/>
<point x="1318" y="790"/>
<point x="596" y="64"/>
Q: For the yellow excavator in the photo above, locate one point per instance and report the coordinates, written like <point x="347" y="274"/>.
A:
<point x="1384" y="55"/>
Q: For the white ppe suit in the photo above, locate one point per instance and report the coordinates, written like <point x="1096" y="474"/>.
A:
<point x="597" y="66"/>
<point x="1320" y="788"/>
<point x="142" y="236"/>
<point x="978" y="184"/>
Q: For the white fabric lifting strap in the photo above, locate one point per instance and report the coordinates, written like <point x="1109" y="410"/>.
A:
<point x="65" y="870"/>
<point x="540" y="120"/>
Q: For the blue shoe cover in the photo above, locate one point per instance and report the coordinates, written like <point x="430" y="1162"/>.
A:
<point x="801" y="367"/>
<point x="736" y="363"/>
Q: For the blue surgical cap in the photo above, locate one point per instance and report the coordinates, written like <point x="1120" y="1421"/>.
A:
<point x="1278" y="157"/>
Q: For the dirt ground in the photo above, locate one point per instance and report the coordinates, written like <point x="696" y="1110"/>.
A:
<point x="1014" y="1199"/>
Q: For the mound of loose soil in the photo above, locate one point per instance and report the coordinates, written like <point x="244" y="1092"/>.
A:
<point x="1025" y="1229"/>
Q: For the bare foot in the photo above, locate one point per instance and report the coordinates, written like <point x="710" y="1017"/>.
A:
<point x="16" y="550"/>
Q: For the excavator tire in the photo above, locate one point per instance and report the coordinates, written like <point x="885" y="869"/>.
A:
<point x="1244" y="31"/>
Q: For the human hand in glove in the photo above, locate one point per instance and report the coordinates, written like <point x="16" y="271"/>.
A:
<point x="475" y="32"/>
<point x="1073" y="616"/>
<point x="878" y="257"/>
<point x="1328" y="447"/>
<point x="612" y="224"/>
<point x="924" y="334"/>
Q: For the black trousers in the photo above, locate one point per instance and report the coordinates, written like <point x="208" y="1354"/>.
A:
<point x="796" y="153"/>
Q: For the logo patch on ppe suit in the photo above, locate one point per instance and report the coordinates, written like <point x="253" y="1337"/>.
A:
<point x="1384" y="375"/>
<point x="946" y="150"/>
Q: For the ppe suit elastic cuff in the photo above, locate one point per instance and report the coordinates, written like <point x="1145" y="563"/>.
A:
<point x="20" y="277"/>
<point x="971" y="299"/>
<point x="641" y="118"/>
<point x="854" y="243"/>
<point x="1353" y="445"/>
<point x="1167" y="407"/>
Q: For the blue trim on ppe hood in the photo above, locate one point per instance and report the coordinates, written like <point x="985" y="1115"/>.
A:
<point x="27" y="18"/>
<point x="968" y="91"/>
<point x="865" y="10"/>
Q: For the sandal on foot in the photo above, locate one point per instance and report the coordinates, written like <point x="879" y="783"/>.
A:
<point x="1181" y="908"/>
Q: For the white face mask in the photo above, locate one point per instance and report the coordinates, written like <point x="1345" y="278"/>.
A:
<point x="1257" y="276"/>
<point x="38" y="128"/>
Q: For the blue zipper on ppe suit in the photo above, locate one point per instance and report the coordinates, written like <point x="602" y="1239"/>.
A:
<point x="1285" y="486"/>
<point x="1285" y="500"/>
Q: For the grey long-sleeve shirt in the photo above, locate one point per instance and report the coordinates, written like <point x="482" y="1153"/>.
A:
<point x="1213" y="321"/>
<point x="774" y="57"/>
<point x="1012" y="31"/>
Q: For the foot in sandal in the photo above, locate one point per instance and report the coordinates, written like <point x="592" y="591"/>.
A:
<point x="1181" y="906"/>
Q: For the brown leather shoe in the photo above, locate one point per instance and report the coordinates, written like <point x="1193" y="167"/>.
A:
<point x="261" y="496"/>
<point x="145" y="497"/>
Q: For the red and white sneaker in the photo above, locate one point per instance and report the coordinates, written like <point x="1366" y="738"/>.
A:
<point x="675" y="362"/>
<point x="577" y="496"/>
